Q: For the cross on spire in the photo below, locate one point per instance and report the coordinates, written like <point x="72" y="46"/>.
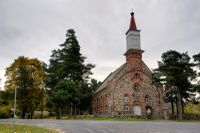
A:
<point x="132" y="10"/>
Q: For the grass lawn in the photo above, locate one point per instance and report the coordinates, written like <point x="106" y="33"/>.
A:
<point x="122" y="119"/>
<point x="134" y="119"/>
<point x="8" y="128"/>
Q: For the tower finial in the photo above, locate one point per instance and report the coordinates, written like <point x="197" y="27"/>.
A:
<point x="132" y="13"/>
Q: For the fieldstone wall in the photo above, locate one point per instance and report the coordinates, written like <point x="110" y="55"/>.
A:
<point x="133" y="80"/>
<point x="187" y="117"/>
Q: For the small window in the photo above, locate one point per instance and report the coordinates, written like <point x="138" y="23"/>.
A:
<point x="125" y="98"/>
<point x="136" y="76"/>
<point x="136" y="87"/>
<point x="126" y="108"/>
<point x="146" y="99"/>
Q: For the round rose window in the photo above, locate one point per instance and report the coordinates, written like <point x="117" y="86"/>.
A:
<point x="136" y="87"/>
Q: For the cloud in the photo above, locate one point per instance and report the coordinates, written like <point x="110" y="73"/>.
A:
<point x="34" y="28"/>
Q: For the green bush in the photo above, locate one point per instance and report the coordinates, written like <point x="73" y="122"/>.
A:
<point x="192" y="108"/>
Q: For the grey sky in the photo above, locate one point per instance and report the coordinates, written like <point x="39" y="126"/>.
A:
<point x="34" y="28"/>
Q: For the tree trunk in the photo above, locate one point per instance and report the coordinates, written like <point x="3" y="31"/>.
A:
<point x="42" y="109"/>
<point x="23" y="113"/>
<point x="71" y="110"/>
<point x="172" y="104"/>
<point x="31" y="115"/>
<point x="59" y="113"/>
<point x="74" y="110"/>
<point x="41" y="114"/>
<point x="176" y="102"/>
<point x="180" y="113"/>
<point x="182" y="105"/>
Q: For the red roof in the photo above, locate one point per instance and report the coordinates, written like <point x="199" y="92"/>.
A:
<point x="132" y="24"/>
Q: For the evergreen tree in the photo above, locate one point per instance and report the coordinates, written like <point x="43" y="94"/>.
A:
<point x="197" y="60"/>
<point x="197" y="65"/>
<point x="176" y="72"/>
<point x="87" y="95"/>
<point x="67" y="64"/>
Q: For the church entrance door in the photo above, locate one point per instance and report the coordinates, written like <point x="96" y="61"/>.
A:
<point x="137" y="110"/>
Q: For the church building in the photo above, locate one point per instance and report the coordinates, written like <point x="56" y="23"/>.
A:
<point x="130" y="89"/>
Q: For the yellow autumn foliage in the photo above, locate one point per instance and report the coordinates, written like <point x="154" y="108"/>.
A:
<point x="192" y="108"/>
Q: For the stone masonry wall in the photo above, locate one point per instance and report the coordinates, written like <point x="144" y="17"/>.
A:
<point x="149" y="96"/>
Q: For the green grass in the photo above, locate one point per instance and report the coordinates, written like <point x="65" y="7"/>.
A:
<point x="124" y="119"/>
<point x="101" y="118"/>
<point x="121" y="119"/>
<point x="8" y="128"/>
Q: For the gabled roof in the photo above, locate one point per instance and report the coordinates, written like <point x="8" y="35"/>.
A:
<point x="145" y="70"/>
<point x="108" y="78"/>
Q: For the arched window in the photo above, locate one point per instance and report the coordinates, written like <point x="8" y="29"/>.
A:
<point x="126" y="98"/>
<point x="146" y="98"/>
<point x="136" y="87"/>
<point x="136" y="76"/>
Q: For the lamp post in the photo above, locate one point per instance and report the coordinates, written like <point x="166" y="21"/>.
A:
<point x="14" y="109"/>
<point x="15" y="101"/>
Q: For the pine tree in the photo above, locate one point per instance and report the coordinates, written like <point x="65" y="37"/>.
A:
<point x="176" y="72"/>
<point x="67" y="64"/>
<point x="197" y="65"/>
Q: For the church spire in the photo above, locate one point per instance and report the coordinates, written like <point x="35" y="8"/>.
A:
<point x="132" y="23"/>
<point x="133" y="49"/>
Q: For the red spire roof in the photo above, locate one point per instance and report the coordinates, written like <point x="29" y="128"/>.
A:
<point x="132" y="24"/>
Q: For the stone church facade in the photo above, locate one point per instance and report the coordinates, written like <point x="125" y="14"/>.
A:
<point x="129" y="89"/>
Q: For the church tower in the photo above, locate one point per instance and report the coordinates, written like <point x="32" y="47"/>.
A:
<point x="134" y="61"/>
<point x="133" y="48"/>
<point x="130" y="89"/>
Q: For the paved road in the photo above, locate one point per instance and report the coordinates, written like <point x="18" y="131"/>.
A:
<point x="82" y="126"/>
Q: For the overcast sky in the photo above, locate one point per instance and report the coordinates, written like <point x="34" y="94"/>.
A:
<point x="33" y="28"/>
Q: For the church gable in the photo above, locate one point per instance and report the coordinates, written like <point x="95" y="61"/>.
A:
<point x="146" y="70"/>
<point x="109" y="78"/>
